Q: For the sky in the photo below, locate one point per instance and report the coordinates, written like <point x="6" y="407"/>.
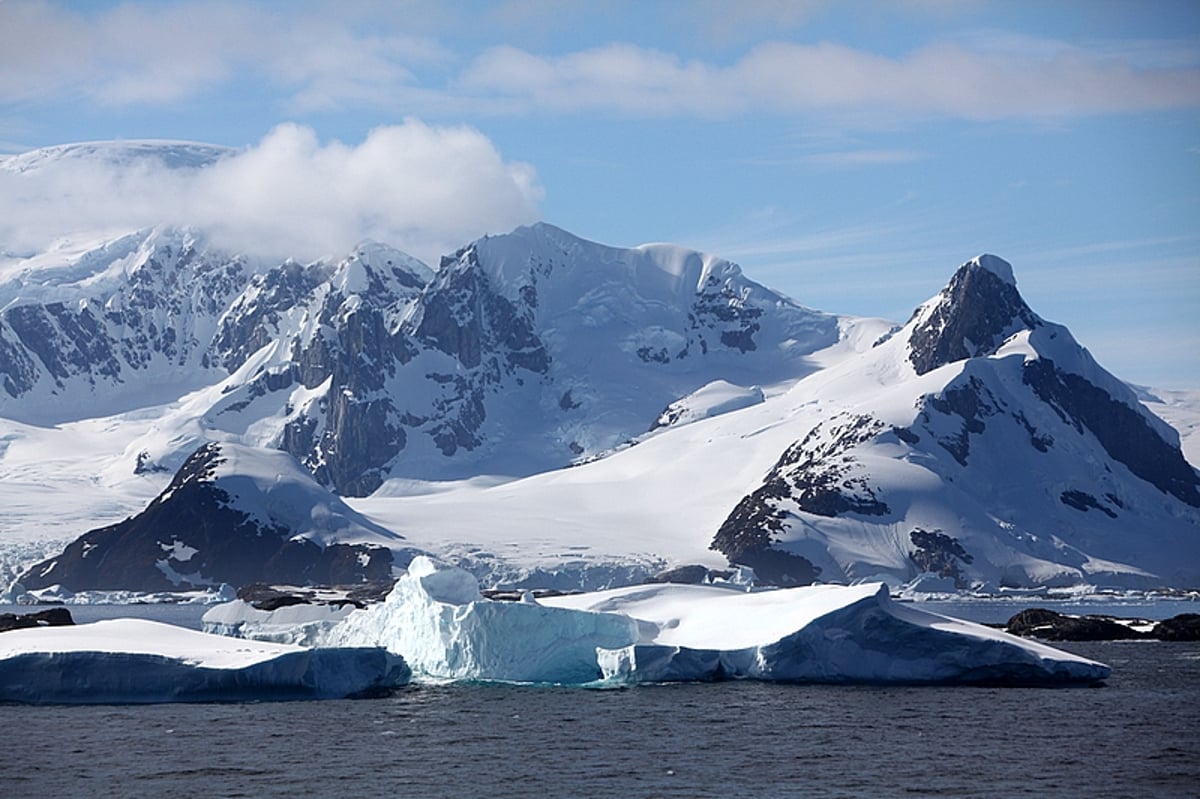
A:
<point x="849" y="154"/>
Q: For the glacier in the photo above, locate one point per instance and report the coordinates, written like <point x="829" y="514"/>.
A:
<point x="445" y="630"/>
<point x="134" y="661"/>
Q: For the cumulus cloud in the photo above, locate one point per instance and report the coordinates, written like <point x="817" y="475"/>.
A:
<point x="941" y="79"/>
<point x="424" y="189"/>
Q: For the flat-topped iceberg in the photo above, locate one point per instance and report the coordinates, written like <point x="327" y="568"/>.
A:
<point x="825" y="634"/>
<point x="436" y="618"/>
<point x="136" y="661"/>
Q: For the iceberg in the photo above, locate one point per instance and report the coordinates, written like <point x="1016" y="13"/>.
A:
<point x="140" y="661"/>
<point x="816" y="634"/>
<point x="303" y="624"/>
<point x="436" y="619"/>
<point x="445" y="630"/>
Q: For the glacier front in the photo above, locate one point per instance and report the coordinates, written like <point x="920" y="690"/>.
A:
<point x="436" y="619"/>
<point x="139" y="661"/>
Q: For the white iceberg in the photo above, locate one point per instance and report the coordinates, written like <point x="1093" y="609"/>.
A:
<point x="436" y="619"/>
<point x="822" y="634"/>
<point x="303" y="624"/>
<point x="136" y="661"/>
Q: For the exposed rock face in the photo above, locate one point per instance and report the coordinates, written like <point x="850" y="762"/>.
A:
<point x="817" y="475"/>
<point x="939" y="554"/>
<point x="158" y="320"/>
<point x="688" y="575"/>
<point x="977" y="311"/>
<point x="348" y="428"/>
<point x="195" y="534"/>
<point x="524" y="352"/>
<point x="1122" y="431"/>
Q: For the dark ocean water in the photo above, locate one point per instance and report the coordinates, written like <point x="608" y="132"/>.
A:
<point x="1139" y="735"/>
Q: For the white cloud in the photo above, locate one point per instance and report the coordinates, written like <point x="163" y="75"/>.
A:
<point x="424" y="189"/>
<point x="942" y="79"/>
<point x="324" y="57"/>
<point x="163" y="53"/>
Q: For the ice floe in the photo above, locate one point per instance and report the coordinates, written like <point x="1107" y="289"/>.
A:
<point x="137" y="661"/>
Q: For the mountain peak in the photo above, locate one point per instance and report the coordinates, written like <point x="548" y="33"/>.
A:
<point x="994" y="264"/>
<point x="972" y="316"/>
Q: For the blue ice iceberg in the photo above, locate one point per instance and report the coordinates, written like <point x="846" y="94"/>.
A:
<point x="447" y="631"/>
<point x="138" y="661"/>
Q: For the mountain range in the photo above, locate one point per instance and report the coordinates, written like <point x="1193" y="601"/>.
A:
<point x="551" y="412"/>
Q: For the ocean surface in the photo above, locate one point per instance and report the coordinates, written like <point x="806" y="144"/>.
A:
<point x="1138" y="735"/>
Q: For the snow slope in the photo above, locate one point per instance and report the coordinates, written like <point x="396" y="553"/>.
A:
<point x="135" y="661"/>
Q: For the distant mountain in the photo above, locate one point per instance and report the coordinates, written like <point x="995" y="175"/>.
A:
<point x="524" y="352"/>
<point x="234" y="515"/>
<point x="694" y="408"/>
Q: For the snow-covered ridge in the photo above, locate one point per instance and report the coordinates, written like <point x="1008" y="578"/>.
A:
<point x="169" y="153"/>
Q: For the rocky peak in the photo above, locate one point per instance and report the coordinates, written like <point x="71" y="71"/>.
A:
<point x="976" y="312"/>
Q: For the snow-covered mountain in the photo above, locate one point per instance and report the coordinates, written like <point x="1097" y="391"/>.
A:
<point x="982" y="443"/>
<point x="525" y="352"/>
<point x="704" y="418"/>
<point x="231" y="514"/>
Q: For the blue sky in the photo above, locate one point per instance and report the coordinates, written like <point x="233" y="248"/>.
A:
<point x="850" y="154"/>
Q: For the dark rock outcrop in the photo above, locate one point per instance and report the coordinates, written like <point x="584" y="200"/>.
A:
<point x="939" y="554"/>
<point x="101" y="344"/>
<point x="817" y="475"/>
<point x="1050" y="625"/>
<point x="193" y="534"/>
<point x="1184" y="627"/>
<point x="694" y="574"/>
<point x="977" y="311"/>
<point x="52" y="617"/>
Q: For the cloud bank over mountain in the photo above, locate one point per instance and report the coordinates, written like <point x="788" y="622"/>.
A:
<point x="426" y="188"/>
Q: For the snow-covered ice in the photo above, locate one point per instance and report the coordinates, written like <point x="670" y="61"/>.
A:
<point x="140" y="661"/>
<point x="825" y="634"/>
<point x="436" y="619"/>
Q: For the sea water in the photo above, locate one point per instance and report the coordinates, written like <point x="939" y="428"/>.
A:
<point x="1138" y="735"/>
